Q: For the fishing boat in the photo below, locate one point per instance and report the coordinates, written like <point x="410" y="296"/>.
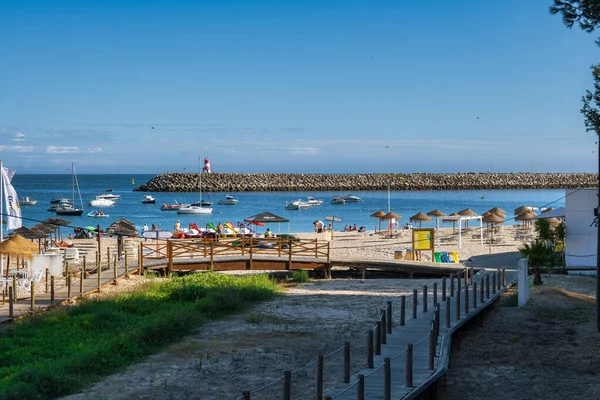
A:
<point x="97" y="214"/>
<point x="350" y="198"/>
<point x="101" y="202"/>
<point x="27" y="201"/>
<point x="229" y="200"/>
<point x="337" y="200"/>
<point x="297" y="205"/>
<point x="197" y="207"/>
<point x="70" y="209"/>
<point x="148" y="199"/>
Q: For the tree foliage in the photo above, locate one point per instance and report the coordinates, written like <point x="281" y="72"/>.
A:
<point x="586" y="13"/>
<point x="591" y="103"/>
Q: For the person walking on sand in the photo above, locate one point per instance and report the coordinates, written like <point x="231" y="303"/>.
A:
<point x="144" y="229"/>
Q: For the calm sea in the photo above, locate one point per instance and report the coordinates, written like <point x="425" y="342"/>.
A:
<point x="44" y="188"/>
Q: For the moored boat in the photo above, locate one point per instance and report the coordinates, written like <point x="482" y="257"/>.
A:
<point x="313" y="202"/>
<point x="297" y="205"/>
<point x="97" y="214"/>
<point x="350" y="198"/>
<point x="194" y="210"/>
<point x="69" y="208"/>
<point x="229" y="200"/>
<point x="101" y="202"/>
<point x="27" y="201"/>
<point x="148" y="199"/>
<point x="171" y="207"/>
<point x="337" y="200"/>
<point x="109" y="196"/>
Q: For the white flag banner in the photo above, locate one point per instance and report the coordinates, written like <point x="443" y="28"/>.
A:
<point x="13" y="210"/>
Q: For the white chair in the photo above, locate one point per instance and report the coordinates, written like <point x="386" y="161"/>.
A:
<point x="72" y="255"/>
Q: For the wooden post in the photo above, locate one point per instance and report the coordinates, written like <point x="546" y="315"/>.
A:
<point x="431" y="347"/>
<point x="472" y="275"/>
<point x="11" y="296"/>
<point x="347" y="362"/>
<point x="360" y="387"/>
<point x="503" y="276"/>
<point x="212" y="255"/>
<point x="383" y="329"/>
<point x="448" y="311"/>
<point x="82" y="274"/>
<point x="378" y="338"/>
<point x="108" y="256"/>
<point x="444" y="288"/>
<point x="451" y="285"/>
<point x="99" y="271"/>
<point x="141" y="260"/>
<point x="47" y="279"/>
<point x="458" y="300"/>
<point x="435" y="299"/>
<point x="402" y="310"/>
<point x="319" y="388"/>
<point x="466" y="300"/>
<point x="246" y="395"/>
<point x="14" y="285"/>
<point x="370" y="349"/>
<point x="32" y="295"/>
<point x="409" y="365"/>
<point x="170" y="256"/>
<point x="424" y="298"/>
<point x="289" y="266"/>
<point x="287" y="385"/>
<point x="69" y="286"/>
<point x="387" y="393"/>
<point x="388" y="314"/>
<point x="329" y="252"/>
<point x="414" y="304"/>
<point x="499" y="273"/>
<point x="84" y="270"/>
<point x="493" y="283"/>
<point x="481" y="285"/>
<point x="474" y="294"/>
<point x="316" y="248"/>
<point x="52" y="290"/>
<point x="115" y="269"/>
<point x="251" y="251"/>
<point x="126" y="265"/>
<point x="466" y="277"/>
<point x="487" y="286"/>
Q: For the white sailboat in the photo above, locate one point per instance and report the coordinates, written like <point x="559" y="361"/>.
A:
<point x="70" y="209"/>
<point x="196" y="208"/>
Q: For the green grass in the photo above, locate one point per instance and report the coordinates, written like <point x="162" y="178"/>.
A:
<point x="300" y="276"/>
<point x="60" y="352"/>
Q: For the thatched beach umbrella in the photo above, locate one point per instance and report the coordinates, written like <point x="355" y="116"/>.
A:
<point x="391" y="216"/>
<point x="492" y="219"/>
<point x="420" y="217"/>
<point x="378" y="215"/>
<point x="521" y="210"/>
<point x="498" y="211"/>
<point x="56" y="222"/>
<point x="467" y="212"/>
<point x="437" y="214"/>
<point x="121" y="228"/>
<point x="525" y="217"/>
<point x="19" y="246"/>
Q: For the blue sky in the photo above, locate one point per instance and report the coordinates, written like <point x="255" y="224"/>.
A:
<point x="280" y="86"/>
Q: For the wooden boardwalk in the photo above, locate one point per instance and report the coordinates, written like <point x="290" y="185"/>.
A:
<point x="417" y="331"/>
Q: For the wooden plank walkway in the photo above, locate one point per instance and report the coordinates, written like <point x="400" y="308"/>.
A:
<point x="417" y="332"/>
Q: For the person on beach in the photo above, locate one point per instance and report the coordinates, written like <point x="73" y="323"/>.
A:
<point x="144" y="229"/>
<point x="354" y="228"/>
<point x="268" y="233"/>
<point x="219" y="228"/>
<point x="153" y="228"/>
<point x="177" y="225"/>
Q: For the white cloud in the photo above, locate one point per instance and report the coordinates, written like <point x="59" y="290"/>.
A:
<point x="95" y="150"/>
<point x="61" y="149"/>
<point x="17" y="149"/>
<point x="303" y="151"/>
<point x="19" y="137"/>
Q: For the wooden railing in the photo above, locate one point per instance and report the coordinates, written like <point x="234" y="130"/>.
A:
<point x="244" y="246"/>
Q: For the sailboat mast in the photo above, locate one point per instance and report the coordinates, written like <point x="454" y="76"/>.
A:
<point x="200" y="180"/>
<point x="73" y="183"/>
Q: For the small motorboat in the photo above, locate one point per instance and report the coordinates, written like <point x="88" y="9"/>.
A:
<point x="63" y="203"/>
<point x="229" y="200"/>
<point x="148" y="199"/>
<point x="97" y="214"/>
<point x="27" y="201"/>
<point x="171" y="207"/>
<point x="338" y="200"/>
<point x="313" y="202"/>
<point x="59" y="199"/>
<point x="101" y="202"/>
<point x="350" y="198"/>
<point x="297" y="205"/>
<point x="109" y="196"/>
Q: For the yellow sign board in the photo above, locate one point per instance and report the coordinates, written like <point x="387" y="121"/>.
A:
<point x="423" y="239"/>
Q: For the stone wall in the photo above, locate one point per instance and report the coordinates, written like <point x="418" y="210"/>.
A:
<point x="220" y="182"/>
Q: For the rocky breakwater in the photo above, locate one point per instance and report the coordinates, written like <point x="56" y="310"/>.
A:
<point x="221" y="182"/>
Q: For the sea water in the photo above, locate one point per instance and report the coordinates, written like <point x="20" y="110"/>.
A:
<point x="44" y="188"/>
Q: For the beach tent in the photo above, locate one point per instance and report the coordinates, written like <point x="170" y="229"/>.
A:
<point x="267" y="217"/>
<point x="460" y="219"/>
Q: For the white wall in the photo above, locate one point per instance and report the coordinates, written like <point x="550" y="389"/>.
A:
<point x="581" y="232"/>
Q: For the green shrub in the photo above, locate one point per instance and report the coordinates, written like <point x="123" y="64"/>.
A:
<point x="300" y="276"/>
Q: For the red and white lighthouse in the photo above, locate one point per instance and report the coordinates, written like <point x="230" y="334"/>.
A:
<point x="206" y="167"/>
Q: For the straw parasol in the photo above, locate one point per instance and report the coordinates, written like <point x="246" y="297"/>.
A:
<point x="420" y="217"/>
<point x="121" y="228"/>
<point x="437" y="214"/>
<point x="521" y="210"/>
<point x="391" y="216"/>
<point x="525" y="217"/>
<point x="378" y="215"/>
<point x="467" y="212"/>
<point x="498" y="211"/>
<point x="18" y="245"/>
<point x="56" y="222"/>
<point x="547" y="209"/>
<point x="492" y="218"/>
